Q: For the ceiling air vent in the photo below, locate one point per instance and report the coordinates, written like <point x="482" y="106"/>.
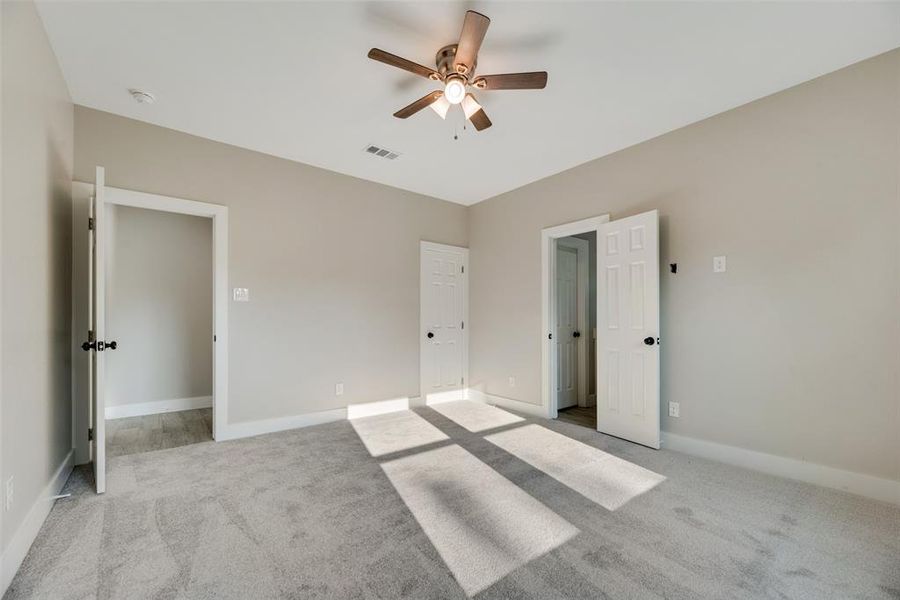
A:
<point x="382" y="152"/>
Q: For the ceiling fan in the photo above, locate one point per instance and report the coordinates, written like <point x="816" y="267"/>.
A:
<point x="456" y="70"/>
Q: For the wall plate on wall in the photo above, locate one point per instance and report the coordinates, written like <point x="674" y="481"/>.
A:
<point x="241" y="295"/>
<point x="719" y="264"/>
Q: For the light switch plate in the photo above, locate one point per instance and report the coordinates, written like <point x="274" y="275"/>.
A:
<point x="241" y="295"/>
<point x="512" y="382"/>
<point x="674" y="409"/>
<point x="339" y="389"/>
<point x="719" y="264"/>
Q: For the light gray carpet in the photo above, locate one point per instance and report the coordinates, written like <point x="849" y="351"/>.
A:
<point x="147" y="433"/>
<point x="311" y="513"/>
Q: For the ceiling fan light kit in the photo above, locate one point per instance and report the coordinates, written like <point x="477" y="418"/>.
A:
<point x="455" y="68"/>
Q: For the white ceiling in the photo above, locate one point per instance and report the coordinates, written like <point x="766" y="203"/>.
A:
<point x="292" y="78"/>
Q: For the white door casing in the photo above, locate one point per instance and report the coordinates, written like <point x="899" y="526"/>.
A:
<point x="628" y="329"/>
<point x="443" y="349"/>
<point x="550" y="237"/>
<point x="97" y="319"/>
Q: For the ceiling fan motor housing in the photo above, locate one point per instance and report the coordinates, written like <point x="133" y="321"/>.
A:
<point x="444" y="62"/>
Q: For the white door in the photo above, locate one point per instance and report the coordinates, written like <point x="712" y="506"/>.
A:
<point x="443" y="311"/>
<point x="628" y="329"/>
<point x="566" y="326"/>
<point x="97" y="334"/>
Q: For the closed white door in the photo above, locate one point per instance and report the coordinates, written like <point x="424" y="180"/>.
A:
<point x="443" y="312"/>
<point x="566" y="326"/>
<point x="628" y="329"/>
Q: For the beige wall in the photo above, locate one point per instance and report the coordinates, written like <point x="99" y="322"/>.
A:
<point x="795" y="351"/>
<point x="159" y="291"/>
<point x="332" y="263"/>
<point x="36" y="260"/>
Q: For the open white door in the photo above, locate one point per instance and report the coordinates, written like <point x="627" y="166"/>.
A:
<point x="628" y="328"/>
<point x="97" y="333"/>
<point x="443" y="354"/>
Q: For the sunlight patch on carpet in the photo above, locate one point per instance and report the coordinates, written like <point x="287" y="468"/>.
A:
<point x="394" y="432"/>
<point x="482" y="525"/>
<point x="476" y="416"/>
<point x="602" y="477"/>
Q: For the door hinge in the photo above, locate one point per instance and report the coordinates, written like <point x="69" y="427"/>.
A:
<point x="462" y="268"/>
<point x="214" y="338"/>
<point x="90" y="433"/>
<point x="91" y="223"/>
<point x="91" y="335"/>
<point x="462" y="324"/>
<point x="462" y="380"/>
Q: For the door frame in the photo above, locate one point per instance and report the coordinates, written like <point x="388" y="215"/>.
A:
<point x="423" y="327"/>
<point x="582" y="248"/>
<point x="549" y="236"/>
<point x="219" y="216"/>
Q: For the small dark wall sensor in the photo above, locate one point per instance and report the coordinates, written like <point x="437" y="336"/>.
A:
<point x="673" y="267"/>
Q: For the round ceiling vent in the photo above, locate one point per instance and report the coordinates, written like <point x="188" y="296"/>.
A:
<point x="142" y="97"/>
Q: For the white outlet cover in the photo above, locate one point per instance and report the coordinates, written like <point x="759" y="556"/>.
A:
<point x="512" y="382"/>
<point x="674" y="409"/>
<point x="241" y="295"/>
<point x="338" y="389"/>
<point x="719" y="264"/>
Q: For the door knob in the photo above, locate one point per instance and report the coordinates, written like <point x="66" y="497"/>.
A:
<point x="649" y="341"/>
<point x="87" y="346"/>
<point x="576" y="334"/>
<point x="430" y="335"/>
<point x="112" y="345"/>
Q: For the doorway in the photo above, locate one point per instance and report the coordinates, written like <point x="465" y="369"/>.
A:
<point x="625" y="362"/>
<point x="576" y="293"/>
<point x="96" y="343"/>
<point x="159" y="291"/>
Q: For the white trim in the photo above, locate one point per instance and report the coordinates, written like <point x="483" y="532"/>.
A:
<point x="548" y="303"/>
<point x="528" y="408"/>
<point x="156" y="407"/>
<point x="235" y="431"/>
<point x="219" y="215"/>
<point x="423" y="245"/>
<point x="885" y="490"/>
<point x="379" y="407"/>
<point x="21" y="541"/>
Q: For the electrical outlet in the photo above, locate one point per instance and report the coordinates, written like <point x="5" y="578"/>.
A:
<point x="719" y="264"/>
<point x="674" y="409"/>
<point x="512" y="382"/>
<point x="10" y="490"/>
<point x="339" y="389"/>
<point x="241" y="295"/>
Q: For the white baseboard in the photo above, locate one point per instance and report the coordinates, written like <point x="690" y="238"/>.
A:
<point x="451" y="396"/>
<point x="18" y="547"/>
<point x="156" y="407"/>
<point x="886" y="490"/>
<point x="235" y="431"/>
<point x="379" y="407"/>
<point x="535" y="410"/>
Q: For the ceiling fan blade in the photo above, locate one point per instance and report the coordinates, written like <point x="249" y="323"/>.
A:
<point x="512" y="81"/>
<point x="426" y="100"/>
<point x="480" y="120"/>
<point x="401" y="63"/>
<point x="474" y="28"/>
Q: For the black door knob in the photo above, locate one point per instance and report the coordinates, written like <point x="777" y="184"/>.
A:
<point x="430" y="335"/>
<point x="88" y="346"/>
<point x="576" y="334"/>
<point x="649" y="341"/>
<point x="112" y="345"/>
